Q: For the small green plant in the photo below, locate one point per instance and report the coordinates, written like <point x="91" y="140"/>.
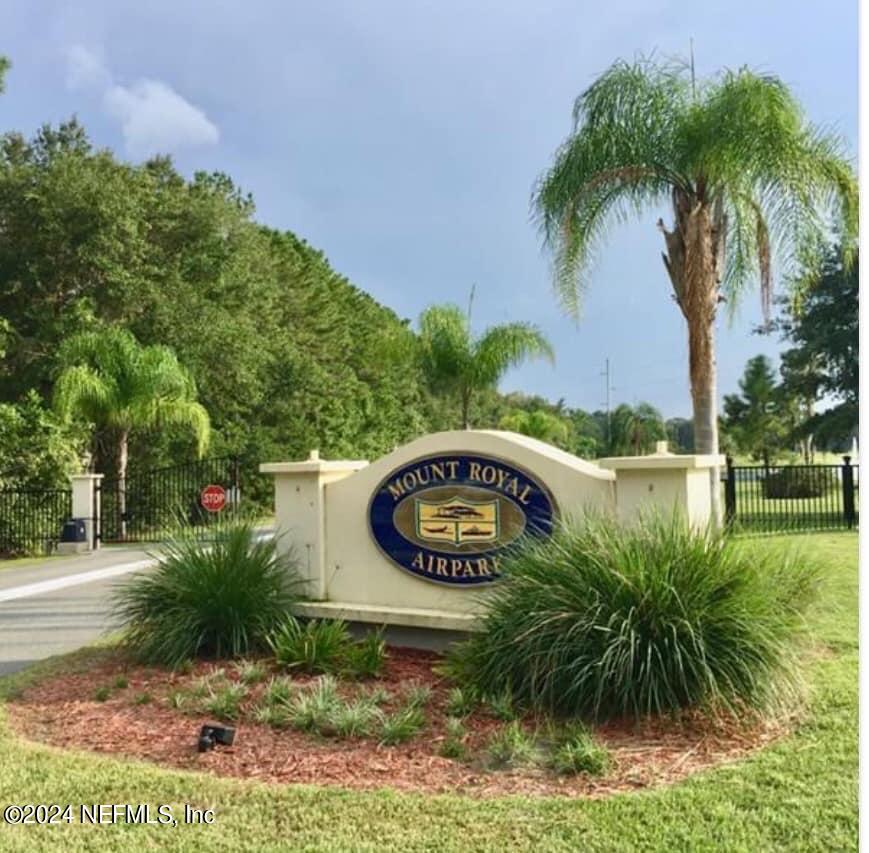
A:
<point x="353" y="719"/>
<point x="376" y="695"/>
<point x="225" y="703"/>
<point x="142" y="698"/>
<point x="185" y="667"/>
<point x="366" y="658"/>
<point x="577" y="752"/>
<point x="453" y="745"/>
<point x="510" y="746"/>
<point x="102" y="693"/>
<point x="178" y="699"/>
<point x="501" y="706"/>
<point x="121" y="683"/>
<point x="417" y="695"/>
<point x="461" y="701"/>
<point x="250" y="672"/>
<point x="313" y="709"/>
<point x="276" y="716"/>
<point x="221" y="598"/>
<point x="278" y="691"/>
<point x="401" y="726"/>
<point x="315" y="646"/>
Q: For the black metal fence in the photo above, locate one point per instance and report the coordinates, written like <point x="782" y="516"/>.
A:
<point x="147" y="506"/>
<point x="769" y="498"/>
<point x="31" y="520"/>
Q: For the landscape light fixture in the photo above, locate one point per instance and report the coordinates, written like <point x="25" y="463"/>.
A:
<point x="211" y="734"/>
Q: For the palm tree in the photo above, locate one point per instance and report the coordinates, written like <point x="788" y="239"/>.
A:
<point x="537" y="424"/>
<point x="635" y="428"/>
<point x="119" y="386"/>
<point x="455" y="361"/>
<point x="744" y="172"/>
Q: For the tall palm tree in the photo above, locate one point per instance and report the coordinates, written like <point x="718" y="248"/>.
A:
<point x="117" y="385"/>
<point x="746" y="176"/>
<point x="455" y="361"/>
<point x="538" y="424"/>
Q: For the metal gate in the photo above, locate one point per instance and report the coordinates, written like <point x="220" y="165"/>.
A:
<point x="149" y="506"/>
<point x="770" y="498"/>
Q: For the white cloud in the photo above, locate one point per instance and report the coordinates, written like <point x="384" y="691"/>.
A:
<point x="154" y="118"/>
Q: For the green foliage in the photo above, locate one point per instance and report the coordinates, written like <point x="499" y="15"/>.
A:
<point x="417" y="695"/>
<point x="366" y="658"/>
<point x="37" y="450"/>
<point x="539" y="424"/>
<point x="401" y="725"/>
<point x="353" y="719"/>
<point x="453" y="745"/>
<point x="121" y="683"/>
<point x="608" y="621"/>
<point x="225" y="703"/>
<point x="635" y="429"/>
<point x="313" y="709"/>
<point x="222" y="598"/>
<point x="101" y="694"/>
<point x="311" y="646"/>
<point x="461" y="701"/>
<point x="755" y="421"/>
<point x="250" y="671"/>
<point x="144" y="698"/>
<point x="793" y="483"/>
<point x="460" y="364"/>
<point x="278" y="691"/>
<point x="510" y="746"/>
<point x="276" y="716"/>
<point x="576" y="751"/>
<point x="501" y="705"/>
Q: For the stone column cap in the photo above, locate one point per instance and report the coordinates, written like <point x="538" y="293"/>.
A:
<point x="313" y="466"/>
<point x="662" y="460"/>
<point x="86" y="476"/>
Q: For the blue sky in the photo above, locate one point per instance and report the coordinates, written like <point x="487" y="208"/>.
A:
<point x="403" y="139"/>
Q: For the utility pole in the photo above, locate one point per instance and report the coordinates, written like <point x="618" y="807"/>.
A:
<point x="471" y="302"/>
<point x="609" y="388"/>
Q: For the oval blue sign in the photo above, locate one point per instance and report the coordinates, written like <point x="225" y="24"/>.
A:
<point x="447" y="518"/>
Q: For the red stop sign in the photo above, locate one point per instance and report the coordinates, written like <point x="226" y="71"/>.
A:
<point x="213" y="498"/>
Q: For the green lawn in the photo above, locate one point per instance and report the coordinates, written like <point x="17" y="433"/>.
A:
<point x="798" y="795"/>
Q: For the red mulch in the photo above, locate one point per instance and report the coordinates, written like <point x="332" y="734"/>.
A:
<point x="62" y="711"/>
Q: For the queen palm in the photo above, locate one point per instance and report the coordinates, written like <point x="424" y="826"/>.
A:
<point x="457" y="362"/>
<point x="745" y="174"/>
<point x="119" y="386"/>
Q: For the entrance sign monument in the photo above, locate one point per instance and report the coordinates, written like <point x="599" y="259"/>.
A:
<point x="417" y="537"/>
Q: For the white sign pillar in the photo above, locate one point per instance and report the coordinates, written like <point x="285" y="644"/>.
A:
<point x="86" y="505"/>
<point x="300" y="512"/>
<point x="665" y="482"/>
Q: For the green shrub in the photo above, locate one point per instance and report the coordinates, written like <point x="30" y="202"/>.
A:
<point x="250" y="672"/>
<point x="177" y="699"/>
<point x="313" y="646"/>
<point x="352" y="719"/>
<point x="401" y="726"/>
<point x="313" y="709"/>
<point x="461" y="701"/>
<point x="576" y="751"/>
<point x="605" y="620"/>
<point x="276" y="716"/>
<point x="278" y="691"/>
<point x="221" y="598"/>
<point x="366" y="658"/>
<point x="454" y="742"/>
<point x="376" y="695"/>
<point x="510" y="746"/>
<point x="501" y="705"/>
<point x="121" y="683"/>
<point x="101" y="694"/>
<point x="417" y="695"/>
<point x="142" y="698"/>
<point x="225" y="703"/>
<point x="794" y="483"/>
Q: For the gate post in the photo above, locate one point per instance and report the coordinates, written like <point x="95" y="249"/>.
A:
<point x="86" y="505"/>
<point x="729" y="493"/>
<point x="848" y="492"/>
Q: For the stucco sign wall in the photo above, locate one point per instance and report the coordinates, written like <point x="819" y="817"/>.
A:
<point x="447" y="517"/>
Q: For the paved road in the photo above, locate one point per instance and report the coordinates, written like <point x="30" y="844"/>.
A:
<point x="59" y="604"/>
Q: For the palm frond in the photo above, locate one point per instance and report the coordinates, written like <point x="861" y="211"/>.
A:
<point x="505" y="346"/>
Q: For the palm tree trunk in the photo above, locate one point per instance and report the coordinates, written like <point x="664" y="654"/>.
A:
<point x="694" y="259"/>
<point x="123" y="450"/>
<point x="466" y="407"/>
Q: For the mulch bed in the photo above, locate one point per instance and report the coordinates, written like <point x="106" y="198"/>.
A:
<point x="63" y="711"/>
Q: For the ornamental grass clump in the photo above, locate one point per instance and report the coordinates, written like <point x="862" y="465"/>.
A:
<point x="221" y="598"/>
<point x="603" y="621"/>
